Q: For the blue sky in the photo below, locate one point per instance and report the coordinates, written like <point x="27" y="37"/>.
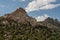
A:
<point x="34" y="8"/>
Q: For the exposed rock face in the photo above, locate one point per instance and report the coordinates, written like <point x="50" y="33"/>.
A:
<point x="21" y="16"/>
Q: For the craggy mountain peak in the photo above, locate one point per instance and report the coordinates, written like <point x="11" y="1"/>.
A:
<point x="19" y="11"/>
<point x="50" y="23"/>
<point x="53" y="21"/>
<point x="20" y="16"/>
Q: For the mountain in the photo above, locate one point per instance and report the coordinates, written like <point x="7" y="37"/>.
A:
<point x="53" y="21"/>
<point x="20" y="16"/>
<point x="19" y="26"/>
<point x="50" y="23"/>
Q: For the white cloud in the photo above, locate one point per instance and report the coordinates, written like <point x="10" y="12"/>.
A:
<point x="49" y="6"/>
<point x="42" y="18"/>
<point x="40" y="4"/>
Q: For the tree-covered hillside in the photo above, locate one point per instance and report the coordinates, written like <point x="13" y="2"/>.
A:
<point x="17" y="31"/>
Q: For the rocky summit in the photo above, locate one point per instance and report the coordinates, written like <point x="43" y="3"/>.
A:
<point x="20" y="16"/>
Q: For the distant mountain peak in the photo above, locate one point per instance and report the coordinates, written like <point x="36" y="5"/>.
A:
<point x="53" y="21"/>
